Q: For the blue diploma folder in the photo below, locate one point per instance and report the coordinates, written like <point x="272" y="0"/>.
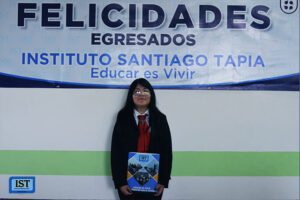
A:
<point x="142" y="174"/>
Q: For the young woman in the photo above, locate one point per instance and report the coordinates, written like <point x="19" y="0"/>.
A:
<point x="130" y="135"/>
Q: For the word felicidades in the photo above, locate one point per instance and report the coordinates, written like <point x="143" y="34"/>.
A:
<point x="153" y="16"/>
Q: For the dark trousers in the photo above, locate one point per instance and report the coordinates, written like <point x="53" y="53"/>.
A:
<point x="139" y="196"/>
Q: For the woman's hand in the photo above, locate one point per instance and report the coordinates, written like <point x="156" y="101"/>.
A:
<point x="125" y="190"/>
<point x="160" y="188"/>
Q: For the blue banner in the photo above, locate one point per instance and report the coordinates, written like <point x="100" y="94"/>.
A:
<point x="246" y="45"/>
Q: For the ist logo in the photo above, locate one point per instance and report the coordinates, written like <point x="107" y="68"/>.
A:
<point x="143" y="158"/>
<point x="22" y="184"/>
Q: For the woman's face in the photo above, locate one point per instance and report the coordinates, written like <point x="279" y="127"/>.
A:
<point x="141" y="96"/>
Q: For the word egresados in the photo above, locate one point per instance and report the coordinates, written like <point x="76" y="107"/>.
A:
<point x="115" y="15"/>
<point x="142" y="39"/>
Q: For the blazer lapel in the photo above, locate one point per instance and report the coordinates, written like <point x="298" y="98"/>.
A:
<point x="152" y="125"/>
<point x="134" y="131"/>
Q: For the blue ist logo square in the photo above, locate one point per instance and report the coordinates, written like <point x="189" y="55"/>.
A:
<point x="22" y="184"/>
<point x="143" y="158"/>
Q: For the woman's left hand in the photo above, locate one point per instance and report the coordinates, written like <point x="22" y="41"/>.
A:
<point x="160" y="188"/>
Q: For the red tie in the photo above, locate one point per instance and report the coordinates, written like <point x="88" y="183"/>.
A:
<point x="144" y="134"/>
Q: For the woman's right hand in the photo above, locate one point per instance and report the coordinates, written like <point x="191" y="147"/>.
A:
<point x="125" y="190"/>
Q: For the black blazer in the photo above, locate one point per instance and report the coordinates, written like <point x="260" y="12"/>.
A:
<point x="125" y="139"/>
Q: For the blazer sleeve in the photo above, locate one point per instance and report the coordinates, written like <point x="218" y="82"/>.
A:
<point x="118" y="156"/>
<point x="166" y="156"/>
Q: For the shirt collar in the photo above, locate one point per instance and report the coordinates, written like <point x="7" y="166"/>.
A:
<point x="136" y="114"/>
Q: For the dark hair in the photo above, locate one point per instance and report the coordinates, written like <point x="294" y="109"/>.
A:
<point x="129" y="105"/>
